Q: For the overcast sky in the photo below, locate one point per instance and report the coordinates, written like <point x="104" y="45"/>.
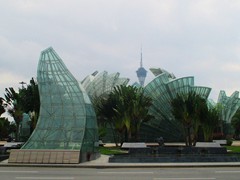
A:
<point x="199" y="38"/>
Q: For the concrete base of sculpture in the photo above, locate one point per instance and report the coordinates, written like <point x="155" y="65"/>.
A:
<point x="30" y="156"/>
<point x="89" y="156"/>
<point x="44" y="156"/>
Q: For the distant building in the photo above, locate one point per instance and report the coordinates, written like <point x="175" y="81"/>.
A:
<point x="141" y="73"/>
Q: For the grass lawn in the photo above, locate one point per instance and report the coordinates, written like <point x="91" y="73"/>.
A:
<point x="111" y="150"/>
<point x="234" y="149"/>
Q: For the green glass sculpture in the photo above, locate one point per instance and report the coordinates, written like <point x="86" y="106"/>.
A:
<point x="67" y="119"/>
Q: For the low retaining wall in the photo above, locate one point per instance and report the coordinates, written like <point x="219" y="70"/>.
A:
<point x="179" y="150"/>
<point x="175" y="154"/>
<point x="173" y="158"/>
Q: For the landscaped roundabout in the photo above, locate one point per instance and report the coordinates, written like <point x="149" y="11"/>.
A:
<point x="173" y="152"/>
<point x="61" y="120"/>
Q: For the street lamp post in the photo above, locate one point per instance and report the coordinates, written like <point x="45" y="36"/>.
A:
<point x="22" y="83"/>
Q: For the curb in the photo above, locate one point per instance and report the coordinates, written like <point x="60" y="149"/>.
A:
<point x="126" y="165"/>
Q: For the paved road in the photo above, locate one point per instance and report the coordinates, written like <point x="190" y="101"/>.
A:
<point x="39" y="173"/>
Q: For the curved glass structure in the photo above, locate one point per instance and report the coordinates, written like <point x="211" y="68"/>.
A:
<point x="229" y="105"/>
<point x="163" y="89"/>
<point x="67" y="119"/>
<point x="99" y="84"/>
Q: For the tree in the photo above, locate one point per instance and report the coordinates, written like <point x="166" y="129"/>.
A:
<point x="139" y="114"/>
<point x="2" y="106"/>
<point x="14" y="107"/>
<point x="30" y="97"/>
<point x="4" y="128"/>
<point x="189" y="110"/>
<point x="24" y="101"/>
<point x="31" y="101"/>
<point x="126" y="108"/>
<point x="210" y="123"/>
<point x="236" y="123"/>
<point x="105" y="110"/>
<point x="193" y="112"/>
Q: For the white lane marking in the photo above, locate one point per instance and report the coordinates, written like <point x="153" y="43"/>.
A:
<point x="108" y="172"/>
<point x="19" y="172"/>
<point x="227" y="171"/>
<point x="46" y="178"/>
<point x="183" y="178"/>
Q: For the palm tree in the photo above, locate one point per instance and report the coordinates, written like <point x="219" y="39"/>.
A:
<point x="140" y="113"/>
<point x="2" y="109"/>
<point x="210" y="123"/>
<point x="188" y="109"/>
<point x="201" y="110"/>
<point x="14" y="107"/>
<point x="236" y="123"/>
<point x="4" y="127"/>
<point x="30" y="97"/>
<point x="126" y="108"/>
<point x="25" y="101"/>
<point x="132" y="109"/>
<point x="30" y="100"/>
<point x="105" y="110"/>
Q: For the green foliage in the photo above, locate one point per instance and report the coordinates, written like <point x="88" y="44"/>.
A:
<point x="14" y="106"/>
<point x="233" y="149"/>
<point x="236" y="123"/>
<point x="111" y="150"/>
<point x="185" y="108"/>
<point x="102" y="131"/>
<point x="2" y="109"/>
<point x="209" y="123"/>
<point x="6" y="128"/>
<point x="125" y="109"/>
<point x="229" y="141"/>
<point x="4" y="125"/>
<point x="30" y="100"/>
<point x="26" y="100"/>
<point x="193" y="112"/>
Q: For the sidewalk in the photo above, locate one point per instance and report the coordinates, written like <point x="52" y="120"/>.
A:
<point x="102" y="162"/>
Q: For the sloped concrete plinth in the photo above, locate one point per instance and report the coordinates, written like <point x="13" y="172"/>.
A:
<point x="44" y="156"/>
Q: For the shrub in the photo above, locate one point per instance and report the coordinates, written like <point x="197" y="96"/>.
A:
<point x="229" y="142"/>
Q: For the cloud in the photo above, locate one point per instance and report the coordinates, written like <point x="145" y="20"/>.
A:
<point x="9" y="79"/>
<point x="18" y="56"/>
<point x="188" y="38"/>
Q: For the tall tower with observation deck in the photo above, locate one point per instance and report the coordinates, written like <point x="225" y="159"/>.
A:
<point x="141" y="72"/>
